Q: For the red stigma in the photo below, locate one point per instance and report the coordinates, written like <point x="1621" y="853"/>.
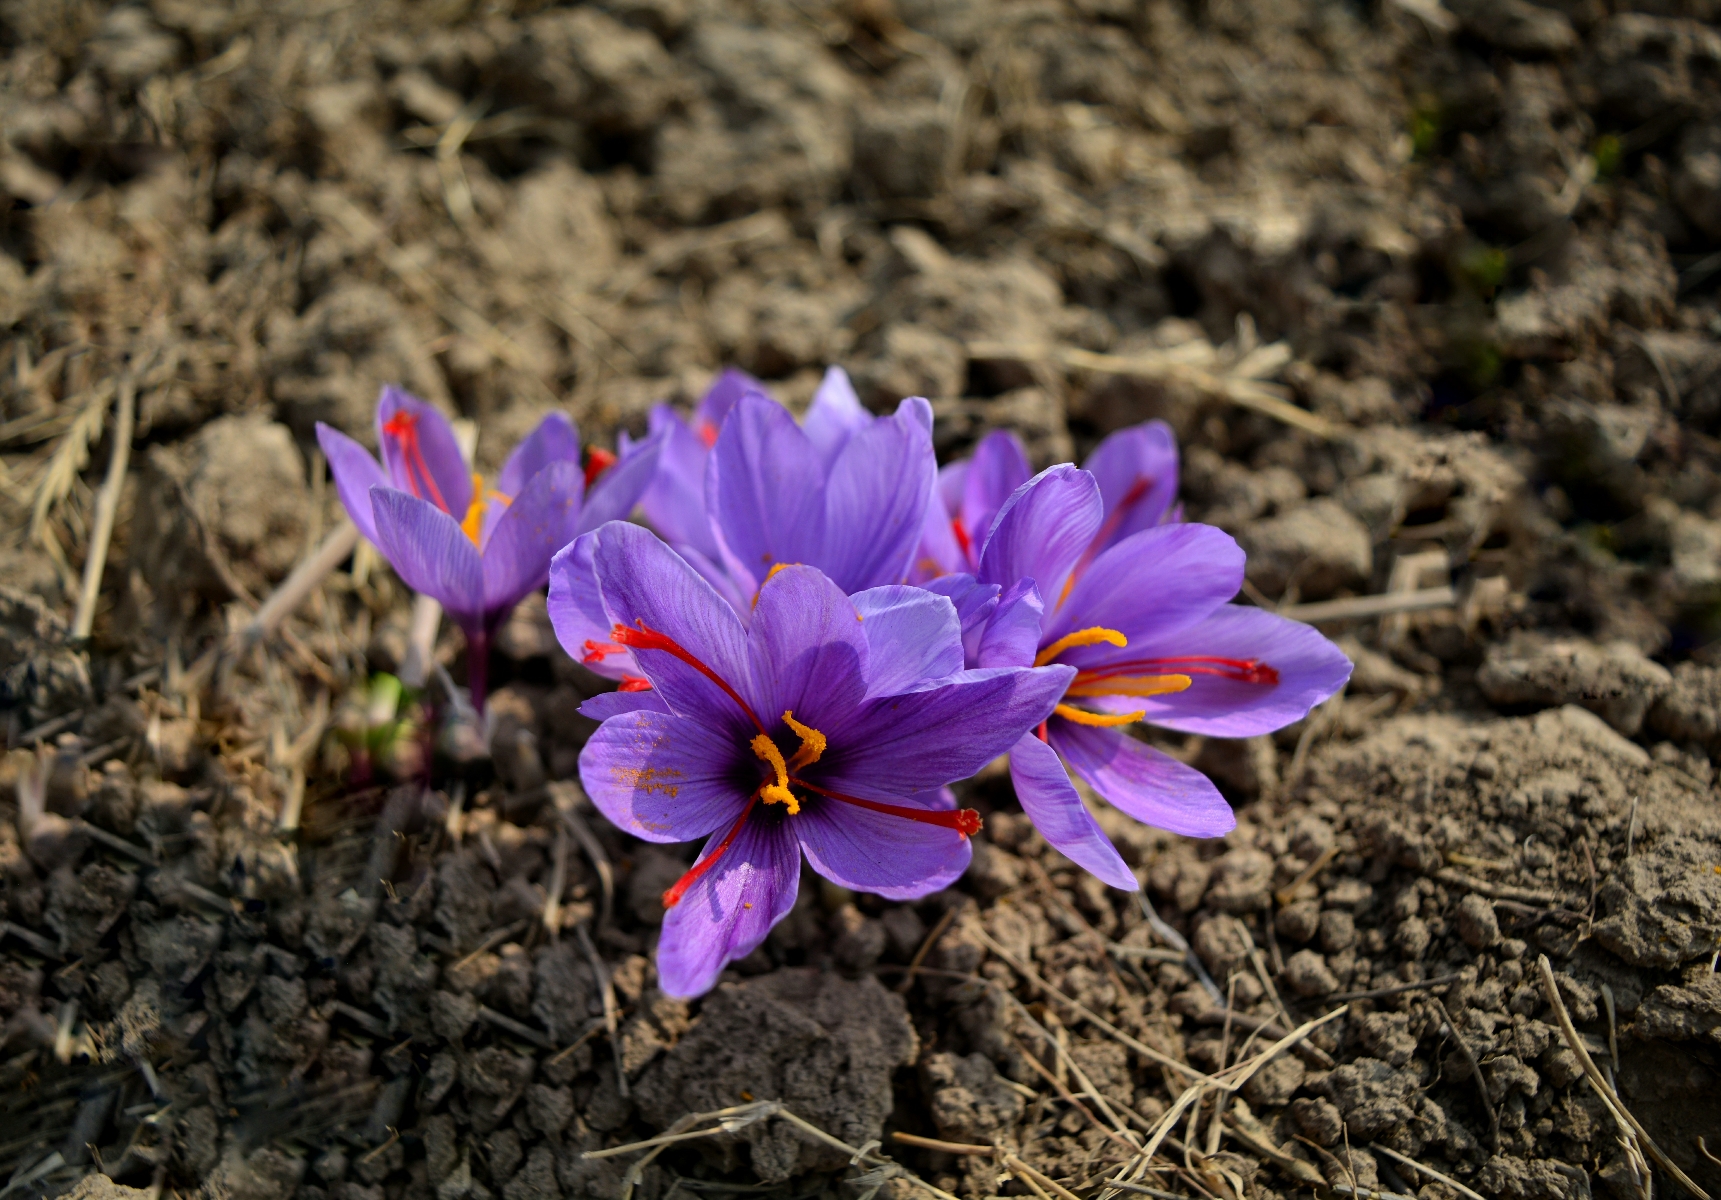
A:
<point x="963" y="541"/>
<point x="1040" y="732"/>
<point x="708" y="434"/>
<point x="596" y="652"/>
<point x="965" y="821"/>
<point x="598" y="460"/>
<point x="403" y="428"/>
<point x="644" y="638"/>
<point x="1242" y="670"/>
<point x="673" y="896"/>
<point x="634" y="683"/>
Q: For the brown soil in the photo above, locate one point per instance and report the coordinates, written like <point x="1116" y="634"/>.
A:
<point x="1475" y="247"/>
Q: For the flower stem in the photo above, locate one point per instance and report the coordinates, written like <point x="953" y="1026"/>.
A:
<point x="477" y="668"/>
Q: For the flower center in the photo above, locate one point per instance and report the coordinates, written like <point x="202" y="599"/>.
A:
<point x="781" y="772"/>
<point x="473" y="524"/>
<point x="1142" y="676"/>
<point x="403" y="428"/>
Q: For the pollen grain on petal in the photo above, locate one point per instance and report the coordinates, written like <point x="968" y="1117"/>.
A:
<point x="648" y="779"/>
<point x="1082" y="716"/>
<point x="1094" y="635"/>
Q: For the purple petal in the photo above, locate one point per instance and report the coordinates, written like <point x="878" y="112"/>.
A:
<point x="939" y="554"/>
<point x="728" y="911"/>
<point x="808" y="652"/>
<point x="1147" y="586"/>
<point x="605" y="705"/>
<point x="1056" y="809"/>
<point x="912" y="636"/>
<point x="875" y="502"/>
<point x="554" y="440"/>
<point x="661" y="777"/>
<point x="765" y="489"/>
<point x="542" y="519"/>
<point x="356" y="471"/>
<point x="642" y="579"/>
<point x="674" y="501"/>
<point x="834" y="416"/>
<point x="999" y="467"/>
<point x="1137" y="473"/>
<point x="1042" y="531"/>
<point x="578" y="616"/>
<point x="1140" y="781"/>
<point x="430" y="553"/>
<point x="1310" y="668"/>
<point x="911" y="743"/>
<point x="975" y="603"/>
<point x="719" y="399"/>
<point x="428" y="464"/>
<point x="875" y="852"/>
<point x="1012" y="635"/>
<point x="619" y="489"/>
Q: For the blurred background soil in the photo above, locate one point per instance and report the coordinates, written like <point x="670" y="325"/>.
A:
<point x="1429" y="292"/>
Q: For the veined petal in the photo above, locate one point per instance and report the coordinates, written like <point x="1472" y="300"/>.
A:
<point x="719" y="400"/>
<point x="764" y="488"/>
<point x="1147" y="587"/>
<point x="912" y="636"/>
<point x="939" y="553"/>
<point x="1310" y="669"/>
<point x="808" y="651"/>
<point x="875" y="852"/>
<point x="661" y="777"/>
<point x="975" y="603"/>
<point x="952" y="484"/>
<point x="728" y="911"/>
<point x="875" y="502"/>
<point x="1012" y="635"/>
<point x="430" y="553"/>
<point x="674" y="501"/>
<point x="355" y="472"/>
<point x="1137" y="473"/>
<point x="578" y="615"/>
<point x="423" y="459"/>
<point x="1042" y="531"/>
<point x="605" y="705"/>
<point x="641" y="579"/>
<point x="1056" y="809"/>
<point x="543" y="518"/>
<point x="1142" y="782"/>
<point x="901" y="745"/>
<point x="998" y="468"/>
<point x="613" y="496"/>
<point x="834" y="416"/>
<point x="554" y="440"/>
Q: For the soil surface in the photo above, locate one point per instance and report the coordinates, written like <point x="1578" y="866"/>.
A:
<point x="1429" y="293"/>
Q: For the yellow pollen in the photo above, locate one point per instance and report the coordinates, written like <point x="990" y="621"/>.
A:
<point x="777" y="792"/>
<point x="769" y="576"/>
<point x="1082" y="716"/>
<point x="473" y="523"/>
<point x="1091" y="636"/>
<point x="813" y="742"/>
<point x="1131" y="685"/>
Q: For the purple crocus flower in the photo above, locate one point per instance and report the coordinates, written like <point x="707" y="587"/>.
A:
<point x="844" y="491"/>
<point x="1146" y="623"/>
<point x="828" y="725"/>
<point x="1136" y="469"/>
<point x="476" y="550"/>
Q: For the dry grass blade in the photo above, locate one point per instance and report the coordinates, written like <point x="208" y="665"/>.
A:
<point x="1475" y="1070"/>
<point x="69" y="458"/>
<point x="107" y="508"/>
<point x="1386" y="604"/>
<point x="608" y="992"/>
<point x="1428" y="1171"/>
<point x="600" y="861"/>
<point x="1608" y="1096"/>
<point x="311" y="571"/>
<point x="926" y="945"/>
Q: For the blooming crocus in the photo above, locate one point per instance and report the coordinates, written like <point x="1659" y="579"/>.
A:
<point x="828" y="726"/>
<point x="477" y="550"/>
<point x="1147" y="626"/>
<point x="1136" y="469"/>
<point x="845" y="492"/>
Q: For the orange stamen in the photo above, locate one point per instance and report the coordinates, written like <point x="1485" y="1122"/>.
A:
<point x="1094" y="635"/>
<point x="1082" y="716"/>
<point x="1130" y="685"/>
<point x="645" y="638"/>
<point x="673" y="896"/>
<point x="598" y="460"/>
<point x="965" y="821"/>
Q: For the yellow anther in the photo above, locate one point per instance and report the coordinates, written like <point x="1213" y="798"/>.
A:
<point x="1131" y="685"/>
<point x="769" y="576"/>
<point x="776" y="792"/>
<point x="1082" y="716"/>
<point x="473" y="523"/>
<point x="1091" y="636"/>
<point x="813" y="742"/>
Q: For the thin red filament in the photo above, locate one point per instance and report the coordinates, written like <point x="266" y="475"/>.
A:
<point x="963" y="820"/>
<point x="403" y="428"/>
<point x="1243" y="670"/>
<point x="646" y="638"/>
<point x="1040" y="731"/>
<point x="963" y="541"/>
<point x="598" y="460"/>
<point x="634" y="683"/>
<point x="673" y="896"/>
<point x="596" y="652"/>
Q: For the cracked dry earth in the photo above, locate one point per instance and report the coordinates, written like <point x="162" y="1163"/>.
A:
<point x="1428" y="291"/>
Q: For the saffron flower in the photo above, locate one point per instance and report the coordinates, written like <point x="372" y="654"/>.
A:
<point x="845" y="492"/>
<point x="827" y="726"/>
<point x="1145" y="622"/>
<point x="477" y="550"/>
<point x="1136" y="469"/>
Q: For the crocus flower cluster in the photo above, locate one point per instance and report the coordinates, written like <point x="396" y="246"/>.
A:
<point x="825" y="631"/>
